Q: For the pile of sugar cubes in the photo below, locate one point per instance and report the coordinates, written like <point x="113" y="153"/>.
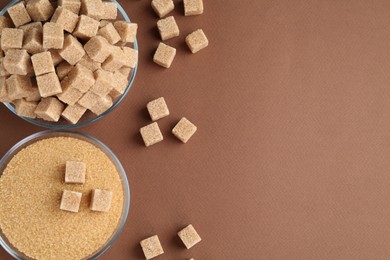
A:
<point x="151" y="133"/>
<point x="168" y="29"/>
<point x="64" y="58"/>
<point x="151" y="246"/>
<point x="70" y="200"/>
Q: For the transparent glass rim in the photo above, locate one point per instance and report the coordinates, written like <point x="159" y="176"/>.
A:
<point x="81" y="136"/>
<point x="91" y="120"/>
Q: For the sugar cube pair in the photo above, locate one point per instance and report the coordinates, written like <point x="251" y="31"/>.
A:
<point x="151" y="246"/>
<point x="191" y="7"/>
<point x="100" y="200"/>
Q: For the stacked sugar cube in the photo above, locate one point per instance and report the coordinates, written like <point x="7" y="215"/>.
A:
<point x="65" y="58"/>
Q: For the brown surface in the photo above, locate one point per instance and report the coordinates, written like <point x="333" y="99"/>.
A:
<point x="291" y="100"/>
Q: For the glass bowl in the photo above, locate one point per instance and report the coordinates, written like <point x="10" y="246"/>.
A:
<point x="88" y="117"/>
<point x="64" y="133"/>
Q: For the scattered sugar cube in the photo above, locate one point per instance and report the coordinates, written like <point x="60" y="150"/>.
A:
<point x="104" y="82"/>
<point x="193" y="7"/>
<point x="39" y="10"/>
<point x="19" y="14"/>
<point x="92" y="8"/>
<point x="81" y="78"/>
<point x="97" y="48"/>
<point x="115" y="60"/>
<point x="110" y="11"/>
<point x="86" y="27"/>
<point x="109" y="32"/>
<point x="73" y="51"/>
<point x="30" y="26"/>
<point x="102" y="105"/>
<point x="49" y="84"/>
<point x="162" y="7"/>
<point x="25" y="108"/>
<point x="56" y="57"/>
<point x="72" y="5"/>
<point x="42" y="63"/>
<point x="69" y="95"/>
<point x="189" y="236"/>
<point x="75" y="172"/>
<point x="127" y="31"/>
<point x="49" y="109"/>
<point x="151" y="134"/>
<point x="11" y="38"/>
<point x="66" y="18"/>
<point x="70" y="201"/>
<point x="197" y="41"/>
<point x="90" y="64"/>
<point x="53" y="36"/>
<point x="168" y="28"/>
<point x="4" y="97"/>
<point x="184" y="129"/>
<point x="63" y="69"/>
<point x="88" y="100"/>
<point x="125" y="71"/>
<point x="17" y="62"/>
<point x="120" y="84"/>
<point x="164" y="55"/>
<point x="151" y="247"/>
<point x="5" y="22"/>
<point x="157" y="109"/>
<point x="18" y="86"/>
<point x="33" y="41"/>
<point x="73" y="113"/>
<point x="33" y="94"/>
<point x="101" y="200"/>
<point x="130" y="57"/>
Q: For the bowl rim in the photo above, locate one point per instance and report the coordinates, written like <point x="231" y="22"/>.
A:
<point x="108" y="152"/>
<point x="55" y="126"/>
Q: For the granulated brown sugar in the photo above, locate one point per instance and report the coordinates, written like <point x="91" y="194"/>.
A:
<point x="30" y="193"/>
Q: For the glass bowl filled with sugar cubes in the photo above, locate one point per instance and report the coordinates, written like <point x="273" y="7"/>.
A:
<point x="62" y="193"/>
<point x="66" y="63"/>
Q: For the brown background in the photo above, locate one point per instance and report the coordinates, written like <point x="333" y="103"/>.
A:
<point x="290" y="161"/>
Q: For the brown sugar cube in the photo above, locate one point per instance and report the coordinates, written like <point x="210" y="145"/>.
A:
<point x="125" y="71"/>
<point x="63" y="69"/>
<point x="88" y="100"/>
<point x="184" y="130"/>
<point x="110" y="11"/>
<point x="33" y="94"/>
<point x="189" y="236"/>
<point x="97" y="48"/>
<point x="32" y="42"/>
<point x="71" y="5"/>
<point x="25" y="108"/>
<point x="56" y="57"/>
<point x="42" y="63"/>
<point x="102" y="105"/>
<point x="73" y="113"/>
<point x="49" y="84"/>
<point x="19" y="14"/>
<point x="164" y="55"/>
<point x="157" y="109"/>
<point x="30" y="26"/>
<point x="11" y="38"/>
<point x="4" y="97"/>
<point x="103" y="23"/>
<point x="92" y="8"/>
<point x="162" y="7"/>
<point x="101" y="200"/>
<point x="130" y="57"/>
<point x="104" y="82"/>
<point x="151" y="134"/>
<point x="151" y="247"/>
<point x="70" y="201"/>
<point x="73" y="51"/>
<point x="120" y="84"/>
<point x="90" y="64"/>
<point x="53" y="36"/>
<point x="197" y="41"/>
<point x="69" y="95"/>
<point x="67" y="19"/>
<point x="127" y="31"/>
<point x="81" y="78"/>
<point x="109" y="32"/>
<point x="86" y="28"/>
<point x="17" y="62"/>
<point x="193" y="7"/>
<point x="39" y="10"/>
<point x="3" y="71"/>
<point x="49" y="109"/>
<point x="75" y="172"/>
<point x="115" y="60"/>
<point x="18" y="86"/>
<point x="168" y="28"/>
<point x="5" y="22"/>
